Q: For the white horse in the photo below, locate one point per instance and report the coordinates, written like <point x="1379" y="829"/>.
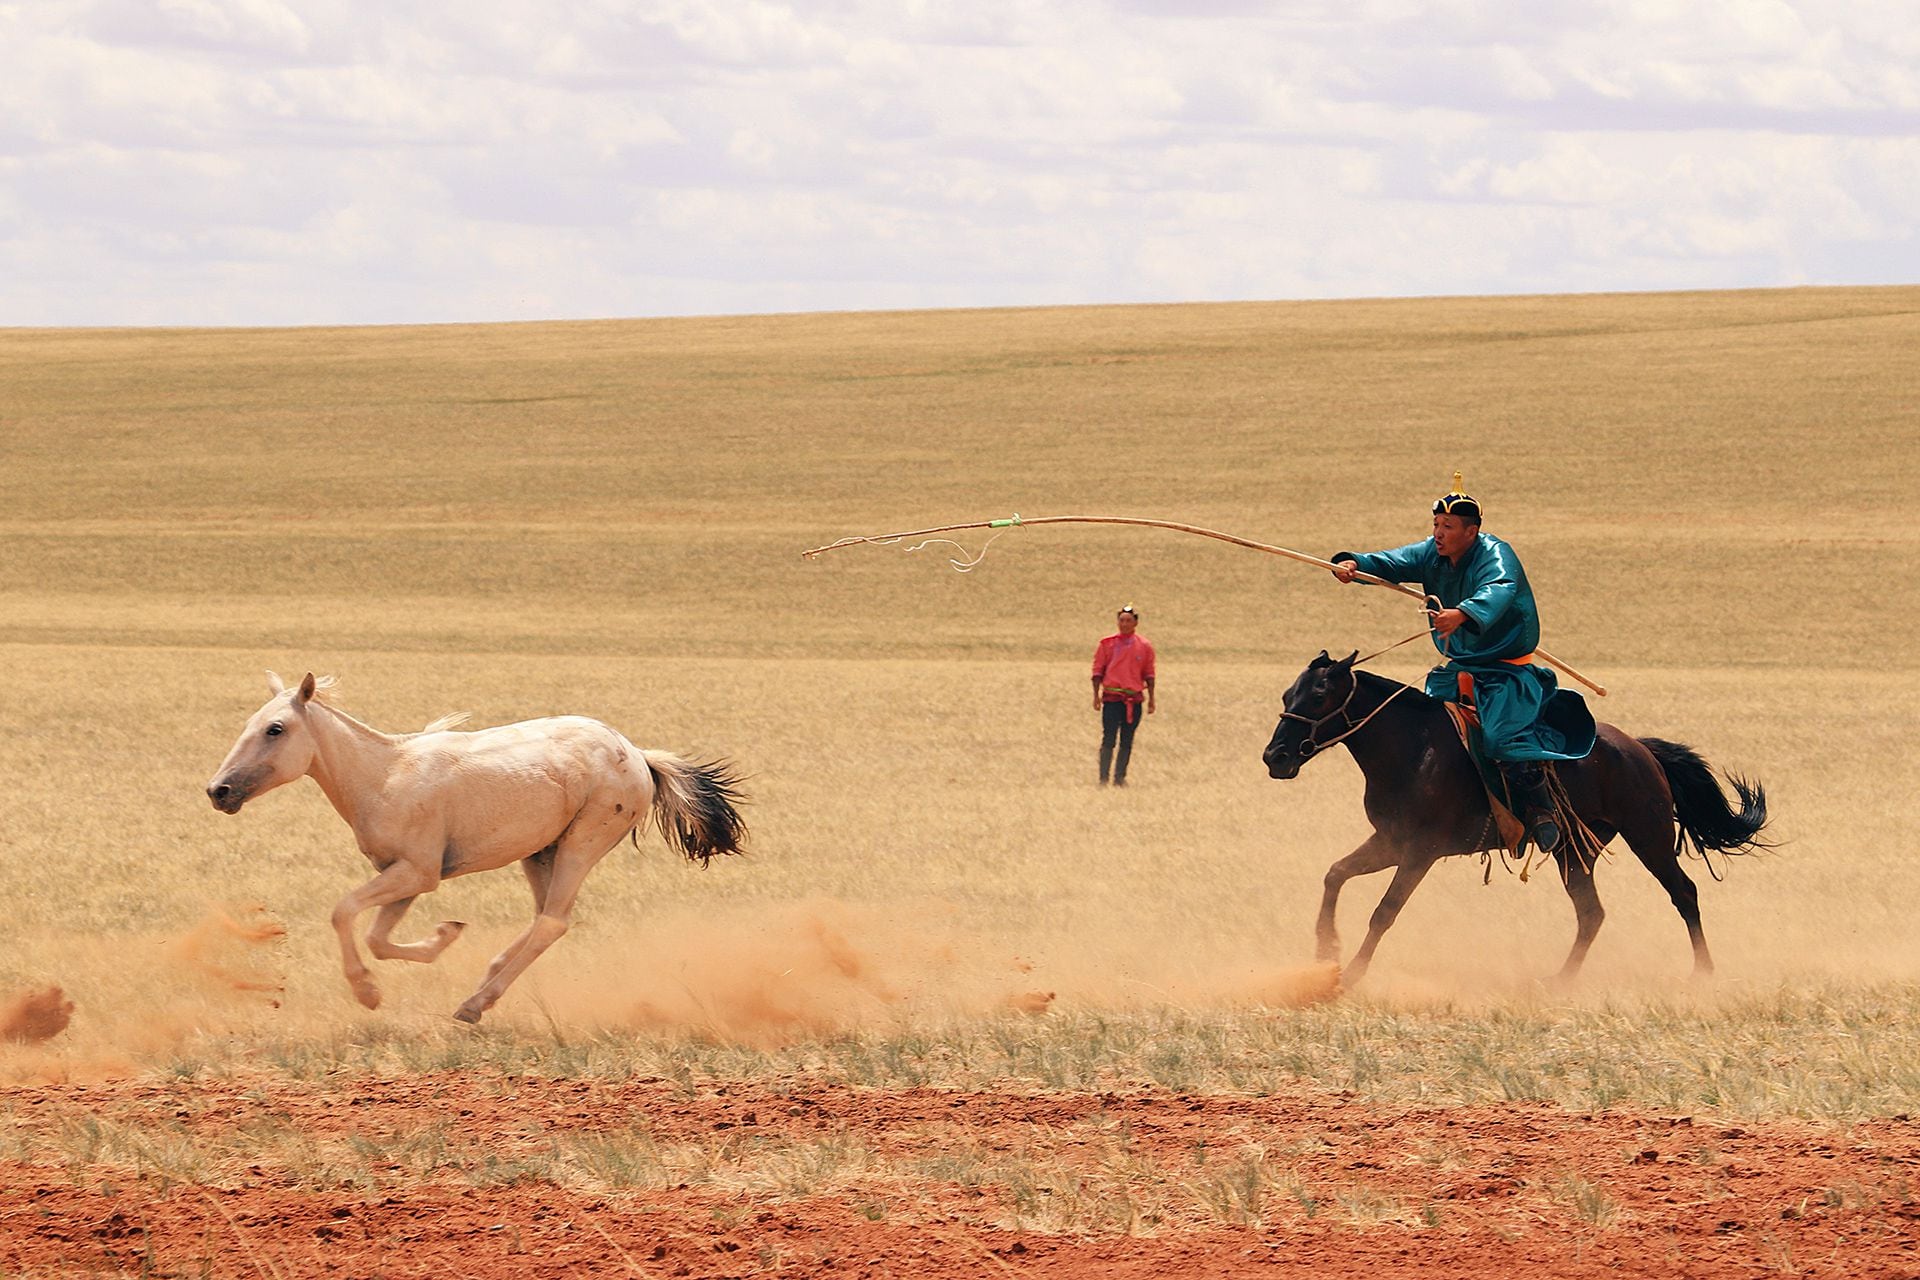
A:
<point x="555" y="795"/>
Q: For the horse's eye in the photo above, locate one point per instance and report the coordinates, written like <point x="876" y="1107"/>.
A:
<point x="275" y="729"/>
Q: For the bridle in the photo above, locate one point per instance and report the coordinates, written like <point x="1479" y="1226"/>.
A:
<point x="1312" y="746"/>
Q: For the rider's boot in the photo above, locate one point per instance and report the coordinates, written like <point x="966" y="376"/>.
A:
<point x="1527" y="787"/>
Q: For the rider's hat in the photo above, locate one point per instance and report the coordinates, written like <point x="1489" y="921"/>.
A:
<point x="1458" y="503"/>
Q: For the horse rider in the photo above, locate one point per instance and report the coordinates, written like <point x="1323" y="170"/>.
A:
<point x="1486" y="626"/>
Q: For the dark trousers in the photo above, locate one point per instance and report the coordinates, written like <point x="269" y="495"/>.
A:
<point x="1115" y="723"/>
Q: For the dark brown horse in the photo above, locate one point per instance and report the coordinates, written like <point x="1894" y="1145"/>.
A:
<point x="1426" y="802"/>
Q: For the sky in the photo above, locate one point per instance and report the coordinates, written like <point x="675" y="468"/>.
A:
<point x="269" y="162"/>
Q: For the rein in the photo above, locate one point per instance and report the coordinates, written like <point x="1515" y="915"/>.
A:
<point x="1418" y="635"/>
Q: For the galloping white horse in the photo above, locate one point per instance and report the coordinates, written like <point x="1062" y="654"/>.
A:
<point x="554" y="795"/>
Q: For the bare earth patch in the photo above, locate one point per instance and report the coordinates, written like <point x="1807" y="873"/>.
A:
<point x="445" y="1174"/>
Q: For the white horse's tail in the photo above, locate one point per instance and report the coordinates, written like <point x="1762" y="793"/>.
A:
<point x="694" y="804"/>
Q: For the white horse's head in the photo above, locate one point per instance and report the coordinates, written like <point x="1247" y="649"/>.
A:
<point x="275" y="747"/>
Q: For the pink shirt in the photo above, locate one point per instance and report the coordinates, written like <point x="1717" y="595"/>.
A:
<point x="1123" y="661"/>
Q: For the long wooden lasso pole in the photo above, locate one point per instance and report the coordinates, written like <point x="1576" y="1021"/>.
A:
<point x="1018" y="521"/>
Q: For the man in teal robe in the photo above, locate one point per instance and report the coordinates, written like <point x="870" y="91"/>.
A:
<point x="1486" y="626"/>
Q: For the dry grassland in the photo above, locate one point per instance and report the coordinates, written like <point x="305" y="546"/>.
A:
<point x="1714" y="494"/>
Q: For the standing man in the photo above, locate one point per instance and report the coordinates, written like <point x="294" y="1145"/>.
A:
<point x="1122" y="681"/>
<point x="1486" y="627"/>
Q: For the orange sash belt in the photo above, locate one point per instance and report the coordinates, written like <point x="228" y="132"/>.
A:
<point x="1464" y="679"/>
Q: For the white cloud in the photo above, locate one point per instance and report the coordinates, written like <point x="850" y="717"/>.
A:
<point x="237" y="161"/>
<point x="256" y="27"/>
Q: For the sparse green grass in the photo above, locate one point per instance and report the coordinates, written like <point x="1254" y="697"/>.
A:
<point x="1079" y="1181"/>
<point x="1587" y="1201"/>
<point x="1838" y="1054"/>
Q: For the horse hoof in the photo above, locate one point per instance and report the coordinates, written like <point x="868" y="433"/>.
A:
<point x="468" y="1014"/>
<point x="449" y="930"/>
<point x="367" y="994"/>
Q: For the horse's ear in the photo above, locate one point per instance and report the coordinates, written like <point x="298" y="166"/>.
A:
<point x="1348" y="660"/>
<point x="306" y="689"/>
<point x="275" y="684"/>
<point x="1322" y="658"/>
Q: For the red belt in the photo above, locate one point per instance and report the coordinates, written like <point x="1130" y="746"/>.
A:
<point x="1120" y="693"/>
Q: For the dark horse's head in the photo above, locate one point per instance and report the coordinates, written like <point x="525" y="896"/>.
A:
<point x="1318" y="698"/>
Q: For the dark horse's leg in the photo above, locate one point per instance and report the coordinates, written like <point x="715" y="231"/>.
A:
<point x="1654" y="841"/>
<point x="1407" y="876"/>
<point x="1576" y="872"/>
<point x="1376" y="854"/>
<point x="1640" y="804"/>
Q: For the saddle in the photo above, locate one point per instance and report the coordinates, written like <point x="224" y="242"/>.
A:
<point x="1505" y="832"/>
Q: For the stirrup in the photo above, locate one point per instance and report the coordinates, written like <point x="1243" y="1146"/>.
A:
<point x="1544" y="832"/>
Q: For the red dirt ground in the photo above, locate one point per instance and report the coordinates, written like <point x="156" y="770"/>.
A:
<point x="1481" y="1191"/>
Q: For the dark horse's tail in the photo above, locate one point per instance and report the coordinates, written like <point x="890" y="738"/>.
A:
<point x="1701" y="807"/>
<point x="695" y="805"/>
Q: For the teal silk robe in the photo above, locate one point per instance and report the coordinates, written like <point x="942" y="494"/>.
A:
<point x="1524" y="714"/>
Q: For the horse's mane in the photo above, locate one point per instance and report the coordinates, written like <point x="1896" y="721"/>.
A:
<point x="326" y="692"/>
<point x="1414" y="695"/>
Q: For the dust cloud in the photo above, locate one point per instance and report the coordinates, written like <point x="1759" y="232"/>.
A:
<point x="35" y="1017"/>
<point x="231" y="949"/>
<point x="219" y="974"/>
<point x="776" y="973"/>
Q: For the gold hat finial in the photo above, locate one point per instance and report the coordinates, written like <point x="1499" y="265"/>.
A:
<point x="1459" y="502"/>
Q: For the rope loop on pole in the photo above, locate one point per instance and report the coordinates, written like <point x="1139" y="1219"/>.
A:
<point x="971" y="562"/>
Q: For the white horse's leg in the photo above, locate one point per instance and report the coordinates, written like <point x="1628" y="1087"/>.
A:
<point x="539" y="871"/>
<point x="398" y="881"/>
<point x="379" y="938"/>
<point x="554" y="888"/>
